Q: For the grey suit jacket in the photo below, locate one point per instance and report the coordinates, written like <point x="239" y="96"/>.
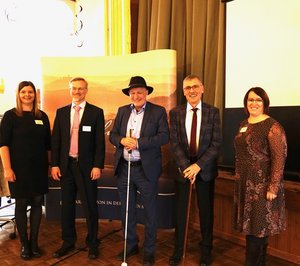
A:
<point x="91" y="141"/>
<point x="209" y="143"/>
<point x="154" y="134"/>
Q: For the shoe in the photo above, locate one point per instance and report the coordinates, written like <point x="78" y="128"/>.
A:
<point x="175" y="260"/>
<point x="205" y="259"/>
<point x="36" y="252"/>
<point x="129" y="253"/>
<point x="64" y="250"/>
<point x="25" y="253"/>
<point x="148" y="260"/>
<point x="93" y="253"/>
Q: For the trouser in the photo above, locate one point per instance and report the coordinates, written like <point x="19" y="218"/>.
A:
<point x="148" y="193"/>
<point x="72" y="182"/>
<point x="205" y="199"/>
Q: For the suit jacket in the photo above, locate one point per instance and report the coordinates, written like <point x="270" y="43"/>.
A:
<point x="91" y="141"/>
<point x="209" y="143"/>
<point x="154" y="134"/>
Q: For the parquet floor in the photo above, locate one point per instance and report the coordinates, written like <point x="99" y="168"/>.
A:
<point x="225" y="253"/>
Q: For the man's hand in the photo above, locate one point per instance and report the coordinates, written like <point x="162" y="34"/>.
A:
<point x="191" y="172"/>
<point x="55" y="172"/>
<point x="95" y="173"/>
<point x="129" y="143"/>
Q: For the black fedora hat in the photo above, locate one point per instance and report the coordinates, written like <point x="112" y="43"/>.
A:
<point x="137" y="82"/>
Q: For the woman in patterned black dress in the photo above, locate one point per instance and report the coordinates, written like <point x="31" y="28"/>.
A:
<point x="259" y="201"/>
<point x="24" y="147"/>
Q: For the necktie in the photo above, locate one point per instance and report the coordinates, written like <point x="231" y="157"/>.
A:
<point x="193" y="141"/>
<point x="74" y="133"/>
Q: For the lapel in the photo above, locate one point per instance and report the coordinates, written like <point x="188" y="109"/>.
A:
<point x="67" y="118"/>
<point x="125" y="119"/>
<point x="182" y="116"/>
<point x="84" y="115"/>
<point x="147" y="114"/>
<point x="204" y="122"/>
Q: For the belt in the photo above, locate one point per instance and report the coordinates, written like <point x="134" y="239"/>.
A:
<point x="73" y="159"/>
<point x="132" y="163"/>
<point x="193" y="159"/>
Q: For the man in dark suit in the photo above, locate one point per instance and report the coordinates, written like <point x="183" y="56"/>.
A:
<point x="78" y="164"/>
<point x="139" y="131"/>
<point x="199" y="168"/>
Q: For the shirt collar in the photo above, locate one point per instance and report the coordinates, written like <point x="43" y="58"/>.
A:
<point x="82" y="105"/>
<point x="189" y="107"/>
<point x="138" y="112"/>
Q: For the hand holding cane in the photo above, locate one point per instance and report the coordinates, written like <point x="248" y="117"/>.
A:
<point x="127" y="205"/>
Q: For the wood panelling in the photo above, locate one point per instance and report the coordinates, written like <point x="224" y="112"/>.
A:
<point x="285" y="246"/>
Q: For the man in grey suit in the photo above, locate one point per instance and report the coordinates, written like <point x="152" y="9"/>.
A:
<point x="139" y="131"/>
<point x="78" y="165"/>
<point x="199" y="168"/>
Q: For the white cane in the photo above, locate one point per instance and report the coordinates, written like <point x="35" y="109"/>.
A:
<point x="127" y="204"/>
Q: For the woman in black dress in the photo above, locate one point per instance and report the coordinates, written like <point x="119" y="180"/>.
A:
<point x="25" y="152"/>
<point x="259" y="202"/>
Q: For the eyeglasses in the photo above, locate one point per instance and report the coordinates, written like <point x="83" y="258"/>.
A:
<point x="194" y="87"/>
<point x="78" y="89"/>
<point x="251" y="100"/>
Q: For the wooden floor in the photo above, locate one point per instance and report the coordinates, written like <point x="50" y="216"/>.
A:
<point x="224" y="253"/>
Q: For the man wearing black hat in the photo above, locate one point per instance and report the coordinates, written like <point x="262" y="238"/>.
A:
<point x="139" y="131"/>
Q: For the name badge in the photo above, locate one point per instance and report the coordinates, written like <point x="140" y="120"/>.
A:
<point x="243" y="129"/>
<point x="39" y="122"/>
<point x="86" y="128"/>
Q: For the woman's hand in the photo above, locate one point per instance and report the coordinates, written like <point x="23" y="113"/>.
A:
<point x="271" y="196"/>
<point x="9" y="175"/>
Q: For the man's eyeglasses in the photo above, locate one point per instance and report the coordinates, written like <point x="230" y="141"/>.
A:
<point x="251" y="100"/>
<point x="194" y="87"/>
<point x="78" y="89"/>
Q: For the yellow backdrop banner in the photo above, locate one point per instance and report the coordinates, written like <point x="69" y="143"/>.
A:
<point x="107" y="76"/>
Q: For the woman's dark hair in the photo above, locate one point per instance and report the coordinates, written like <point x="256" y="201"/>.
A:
<point x="19" y="109"/>
<point x="262" y="94"/>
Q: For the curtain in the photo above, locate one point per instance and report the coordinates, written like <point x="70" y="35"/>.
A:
<point x="117" y="23"/>
<point x="195" y="29"/>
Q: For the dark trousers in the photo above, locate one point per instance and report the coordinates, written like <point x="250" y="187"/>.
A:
<point x="205" y="199"/>
<point x="148" y="192"/>
<point x="72" y="182"/>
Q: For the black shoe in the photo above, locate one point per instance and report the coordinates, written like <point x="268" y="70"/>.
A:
<point x="36" y="252"/>
<point x="64" y="250"/>
<point x="93" y="253"/>
<point x="25" y="253"/>
<point x="175" y="260"/>
<point x="129" y="253"/>
<point x="148" y="259"/>
<point x="206" y="259"/>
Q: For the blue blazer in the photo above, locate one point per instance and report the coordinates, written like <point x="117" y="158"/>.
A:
<point x="154" y="134"/>
<point x="209" y="143"/>
<point x="91" y="141"/>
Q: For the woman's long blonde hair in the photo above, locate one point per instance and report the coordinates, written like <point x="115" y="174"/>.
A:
<point x="19" y="109"/>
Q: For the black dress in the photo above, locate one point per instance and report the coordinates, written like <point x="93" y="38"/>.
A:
<point x="28" y="139"/>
